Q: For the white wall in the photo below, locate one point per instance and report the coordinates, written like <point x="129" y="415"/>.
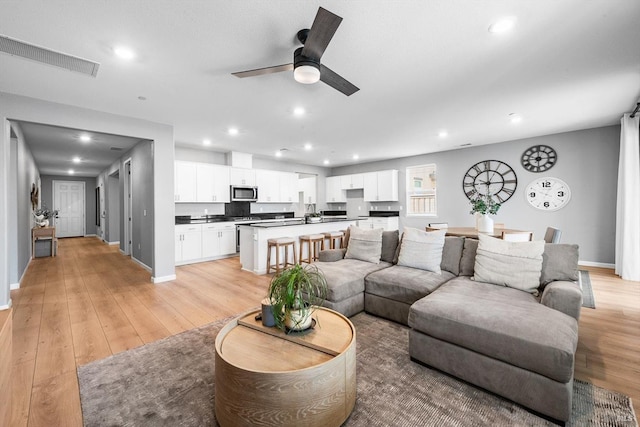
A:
<point x="587" y="162"/>
<point x="158" y="228"/>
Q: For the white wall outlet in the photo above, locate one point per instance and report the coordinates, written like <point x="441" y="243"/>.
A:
<point x="206" y="211"/>
<point x="144" y="213"/>
<point x="359" y="208"/>
<point x="388" y="208"/>
<point x="260" y="209"/>
<point x="400" y="207"/>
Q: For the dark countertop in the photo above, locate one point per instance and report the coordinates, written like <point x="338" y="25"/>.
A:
<point x="297" y="222"/>
<point x="187" y="219"/>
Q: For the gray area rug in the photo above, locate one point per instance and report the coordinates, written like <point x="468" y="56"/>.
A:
<point x="171" y="383"/>
<point x="587" y="291"/>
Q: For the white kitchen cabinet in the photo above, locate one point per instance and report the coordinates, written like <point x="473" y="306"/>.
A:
<point x="386" y="223"/>
<point x="185" y="181"/>
<point x="212" y="183"/>
<point x="352" y="182"/>
<point x="188" y="242"/>
<point x="308" y="188"/>
<point x="288" y="187"/>
<point x="381" y="186"/>
<point x="218" y="239"/>
<point x="334" y="191"/>
<point x="277" y="187"/>
<point x="241" y="176"/>
<point x="268" y="186"/>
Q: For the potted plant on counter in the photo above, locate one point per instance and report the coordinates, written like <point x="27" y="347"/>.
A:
<point x="314" y="217"/>
<point x="483" y="206"/>
<point x="295" y="294"/>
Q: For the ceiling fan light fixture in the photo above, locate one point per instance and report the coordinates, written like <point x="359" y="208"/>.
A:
<point x="306" y="74"/>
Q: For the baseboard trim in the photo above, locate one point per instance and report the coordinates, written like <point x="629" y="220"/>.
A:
<point x="141" y="264"/>
<point x="14" y="286"/>
<point x="6" y="306"/>
<point x="597" y="264"/>
<point x="163" y="278"/>
<point x="113" y="243"/>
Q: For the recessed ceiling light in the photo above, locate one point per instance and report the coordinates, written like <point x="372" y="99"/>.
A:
<point x="356" y="157"/>
<point x="443" y="134"/>
<point x="326" y="162"/>
<point x="124" y="52"/>
<point x="298" y="111"/>
<point x="142" y="98"/>
<point x="515" y="118"/>
<point x="502" y="25"/>
<point x="206" y="142"/>
<point x="278" y="153"/>
<point x="308" y="146"/>
<point x="76" y="159"/>
<point x="70" y="171"/>
<point x="85" y="138"/>
<point x="233" y="131"/>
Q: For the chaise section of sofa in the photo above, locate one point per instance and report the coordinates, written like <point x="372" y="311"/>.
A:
<point x="509" y="341"/>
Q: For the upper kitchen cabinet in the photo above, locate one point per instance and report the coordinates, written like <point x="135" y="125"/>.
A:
<point x="269" y="187"/>
<point x="212" y="183"/>
<point x="334" y="191"/>
<point x="381" y="186"/>
<point x="308" y="188"/>
<point x="352" y="182"/>
<point x="185" y="181"/>
<point x="241" y="176"/>
<point x="277" y="187"/>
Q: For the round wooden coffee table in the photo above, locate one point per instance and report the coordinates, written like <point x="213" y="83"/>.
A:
<point x="266" y="377"/>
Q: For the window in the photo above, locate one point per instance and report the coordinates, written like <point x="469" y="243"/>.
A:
<point x="421" y="190"/>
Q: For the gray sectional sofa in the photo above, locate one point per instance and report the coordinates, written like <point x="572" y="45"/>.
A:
<point x="518" y="344"/>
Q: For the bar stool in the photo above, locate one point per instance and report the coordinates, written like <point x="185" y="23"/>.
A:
<point x="334" y="236"/>
<point x="284" y="243"/>
<point x="315" y="244"/>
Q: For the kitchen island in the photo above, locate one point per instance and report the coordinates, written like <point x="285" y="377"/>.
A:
<point x="253" y="238"/>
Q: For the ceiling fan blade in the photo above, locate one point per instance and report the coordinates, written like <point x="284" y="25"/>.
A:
<point x="336" y="81"/>
<point x="263" y="71"/>
<point x="324" y="27"/>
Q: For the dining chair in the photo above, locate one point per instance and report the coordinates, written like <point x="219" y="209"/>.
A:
<point x="517" y="236"/>
<point x="552" y="235"/>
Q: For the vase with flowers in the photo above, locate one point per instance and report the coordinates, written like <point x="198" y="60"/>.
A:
<point x="483" y="206"/>
<point x="43" y="215"/>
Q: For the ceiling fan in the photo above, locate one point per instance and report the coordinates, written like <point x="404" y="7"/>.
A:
<point x="306" y="60"/>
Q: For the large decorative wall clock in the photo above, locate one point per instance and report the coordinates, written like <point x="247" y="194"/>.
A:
<point x="548" y="194"/>
<point x="490" y="178"/>
<point x="539" y="158"/>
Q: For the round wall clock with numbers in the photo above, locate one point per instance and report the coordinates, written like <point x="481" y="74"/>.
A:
<point x="538" y="158"/>
<point x="548" y="194"/>
<point x="490" y="178"/>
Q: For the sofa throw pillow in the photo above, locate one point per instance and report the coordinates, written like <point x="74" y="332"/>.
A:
<point x="365" y="245"/>
<point x="516" y="265"/>
<point x="422" y="249"/>
<point x="468" y="259"/>
<point x="389" y="245"/>
<point x="559" y="262"/>
<point x="451" y="254"/>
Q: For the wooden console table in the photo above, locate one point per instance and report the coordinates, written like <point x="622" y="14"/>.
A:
<point x="44" y="233"/>
<point x="266" y="377"/>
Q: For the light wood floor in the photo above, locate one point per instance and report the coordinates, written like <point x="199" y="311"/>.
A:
<point x="91" y="302"/>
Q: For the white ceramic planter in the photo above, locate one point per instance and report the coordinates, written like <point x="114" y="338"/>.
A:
<point x="298" y="320"/>
<point x="484" y="224"/>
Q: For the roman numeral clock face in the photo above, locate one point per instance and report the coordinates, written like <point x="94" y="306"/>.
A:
<point x="548" y="194"/>
<point x="538" y="158"/>
<point x="490" y="178"/>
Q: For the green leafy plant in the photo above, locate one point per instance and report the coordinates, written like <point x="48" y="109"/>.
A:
<point x="296" y="289"/>
<point x="484" y="204"/>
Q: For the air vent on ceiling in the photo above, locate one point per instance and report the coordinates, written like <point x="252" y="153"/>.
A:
<point x="47" y="56"/>
<point x="115" y="149"/>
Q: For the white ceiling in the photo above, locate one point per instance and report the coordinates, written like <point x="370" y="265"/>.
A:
<point x="421" y="66"/>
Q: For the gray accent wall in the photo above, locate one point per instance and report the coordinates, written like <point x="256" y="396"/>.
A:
<point x="89" y="197"/>
<point x="587" y="162"/>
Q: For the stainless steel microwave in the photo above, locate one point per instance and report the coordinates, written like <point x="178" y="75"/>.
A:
<point x="244" y="193"/>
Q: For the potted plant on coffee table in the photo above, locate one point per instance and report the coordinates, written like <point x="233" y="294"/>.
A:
<point x="295" y="294"/>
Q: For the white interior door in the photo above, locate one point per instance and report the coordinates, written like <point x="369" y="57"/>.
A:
<point x="69" y="201"/>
